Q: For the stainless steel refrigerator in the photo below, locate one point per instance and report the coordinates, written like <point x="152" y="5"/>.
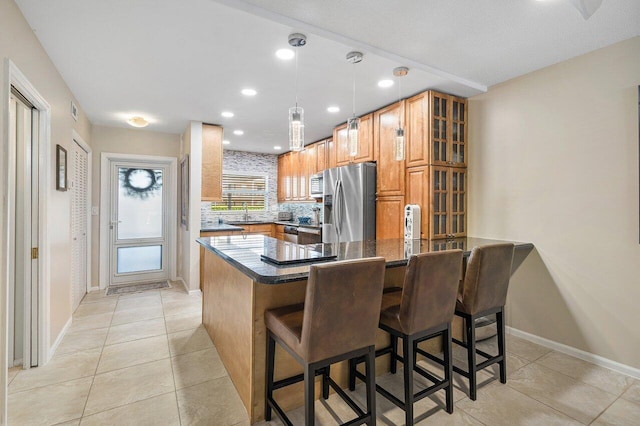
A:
<point x="349" y="199"/>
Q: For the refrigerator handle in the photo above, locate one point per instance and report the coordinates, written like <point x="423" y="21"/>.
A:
<point x="339" y="205"/>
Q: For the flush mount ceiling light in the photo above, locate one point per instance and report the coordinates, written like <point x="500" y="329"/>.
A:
<point x="277" y="147"/>
<point x="249" y="92"/>
<point x="238" y="132"/>
<point x="285" y="54"/>
<point x="333" y="109"/>
<point x="296" y="113"/>
<point x="138" y="121"/>
<point x="227" y="114"/>
<point x="398" y="140"/>
<point x="225" y="142"/>
<point x="385" y="83"/>
<point x="353" y="124"/>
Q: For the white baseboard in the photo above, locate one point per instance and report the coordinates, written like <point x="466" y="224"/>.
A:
<point x="577" y="353"/>
<point x="96" y="288"/>
<point x="194" y="292"/>
<point x="186" y="287"/>
<point x="54" y="347"/>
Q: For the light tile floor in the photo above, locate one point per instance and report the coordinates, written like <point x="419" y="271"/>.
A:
<point x="145" y="359"/>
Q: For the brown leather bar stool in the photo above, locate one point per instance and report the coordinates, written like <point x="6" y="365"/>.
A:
<point x="484" y="292"/>
<point x="421" y="310"/>
<point x="338" y="321"/>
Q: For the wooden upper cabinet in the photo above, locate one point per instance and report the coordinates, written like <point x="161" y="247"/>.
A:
<point x="365" y="142"/>
<point x="389" y="217"/>
<point x="448" y="132"/>
<point x="418" y="193"/>
<point x="211" y="163"/>
<point x="303" y="174"/>
<point x="341" y="145"/>
<point x="391" y="172"/>
<point x="458" y="131"/>
<point x="330" y="149"/>
<point x="312" y="159"/>
<point x="416" y="130"/>
<point x="288" y="178"/>
<point x="321" y="156"/>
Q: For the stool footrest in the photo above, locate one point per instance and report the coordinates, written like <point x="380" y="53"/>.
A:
<point x="346" y="398"/>
<point x="429" y="356"/>
<point x="424" y="373"/>
<point x="279" y="412"/>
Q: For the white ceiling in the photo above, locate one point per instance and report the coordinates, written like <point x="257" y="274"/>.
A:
<point x="174" y="61"/>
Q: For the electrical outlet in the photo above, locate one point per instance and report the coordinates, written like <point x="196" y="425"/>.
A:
<point x="94" y="211"/>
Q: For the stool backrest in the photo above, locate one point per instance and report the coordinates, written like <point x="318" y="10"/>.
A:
<point x="342" y="307"/>
<point x="487" y="278"/>
<point x="429" y="290"/>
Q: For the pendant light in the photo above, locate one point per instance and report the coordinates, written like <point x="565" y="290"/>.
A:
<point x="398" y="140"/>
<point x="353" y="124"/>
<point x="296" y="113"/>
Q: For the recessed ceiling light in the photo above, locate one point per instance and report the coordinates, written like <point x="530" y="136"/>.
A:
<point x="277" y="147"/>
<point x="226" y="142"/>
<point x="385" y="83"/>
<point x="333" y="109"/>
<point x="249" y="92"/>
<point x="285" y="54"/>
<point x="238" y="132"/>
<point x="227" y="114"/>
<point x="138" y="121"/>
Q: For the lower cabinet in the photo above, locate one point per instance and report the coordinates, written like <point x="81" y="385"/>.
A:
<point x="389" y="217"/>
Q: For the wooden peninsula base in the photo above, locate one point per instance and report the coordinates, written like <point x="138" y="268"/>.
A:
<point x="235" y="299"/>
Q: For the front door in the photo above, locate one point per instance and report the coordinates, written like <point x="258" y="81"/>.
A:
<point x="139" y="222"/>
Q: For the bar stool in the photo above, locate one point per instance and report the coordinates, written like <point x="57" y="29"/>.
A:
<point x="484" y="292"/>
<point x="337" y="322"/>
<point x="421" y="310"/>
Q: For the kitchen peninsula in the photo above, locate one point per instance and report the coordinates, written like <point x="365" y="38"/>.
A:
<point x="239" y="285"/>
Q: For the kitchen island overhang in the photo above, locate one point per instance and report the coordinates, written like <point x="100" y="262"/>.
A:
<point x="239" y="287"/>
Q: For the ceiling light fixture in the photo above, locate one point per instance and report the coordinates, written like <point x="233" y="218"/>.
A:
<point x="285" y="54"/>
<point x="398" y="140"/>
<point x="296" y="113"/>
<point x="138" y="121"/>
<point x="353" y="124"/>
<point x="238" y="132"/>
<point x="385" y="83"/>
<point x="249" y="92"/>
<point x="227" y="114"/>
<point x="225" y="142"/>
<point x="333" y="109"/>
<point x="277" y="147"/>
<point x="586" y="7"/>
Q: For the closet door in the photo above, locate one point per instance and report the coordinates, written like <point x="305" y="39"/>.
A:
<point x="79" y="217"/>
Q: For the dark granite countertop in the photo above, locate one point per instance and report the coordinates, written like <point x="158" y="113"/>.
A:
<point x="219" y="227"/>
<point x="244" y="253"/>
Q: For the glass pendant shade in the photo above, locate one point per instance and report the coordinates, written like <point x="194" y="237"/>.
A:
<point x="296" y="128"/>
<point x="353" y="125"/>
<point x="398" y="142"/>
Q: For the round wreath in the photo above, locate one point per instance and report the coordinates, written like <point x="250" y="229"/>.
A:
<point x="134" y="189"/>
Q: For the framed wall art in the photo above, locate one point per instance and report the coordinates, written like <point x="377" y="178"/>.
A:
<point x="61" y="168"/>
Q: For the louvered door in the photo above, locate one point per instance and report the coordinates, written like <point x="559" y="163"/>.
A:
<point x="79" y="216"/>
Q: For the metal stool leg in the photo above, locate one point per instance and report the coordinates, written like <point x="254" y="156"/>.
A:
<point x="448" y="367"/>
<point x="409" y="355"/>
<point x="271" y="349"/>
<point x="370" y="370"/>
<point x="501" y="345"/>
<point x="309" y="398"/>
<point x="471" y="356"/>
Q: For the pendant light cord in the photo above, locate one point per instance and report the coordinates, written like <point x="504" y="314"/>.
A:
<point x="399" y="100"/>
<point x="353" y="75"/>
<point x="296" y="84"/>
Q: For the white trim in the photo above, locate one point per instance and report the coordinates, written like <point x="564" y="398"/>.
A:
<point x="64" y="330"/>
<point x="577" y="353"/>
<point x="13" y="76"/>
<point x="194" y="292"/>
<point x="78" y="139"/>
<point x="94" y="288"/>
<point x="105" y="158"/>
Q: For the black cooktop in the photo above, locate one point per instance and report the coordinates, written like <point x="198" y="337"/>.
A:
<point x="284" y="253"/>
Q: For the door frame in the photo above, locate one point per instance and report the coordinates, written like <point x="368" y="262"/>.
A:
<point x="105" y="159"/>
<point x="76" y="138"/>
<point x="14" y="77"/>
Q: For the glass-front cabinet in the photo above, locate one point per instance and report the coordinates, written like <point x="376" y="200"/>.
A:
<point x="448" y="130"/>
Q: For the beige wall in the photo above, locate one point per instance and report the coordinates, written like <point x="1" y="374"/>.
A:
<point x="122" y="141"/>
<point x="553" y="159"/>
<point x="19" y="44"/>
<point x="189" y="258"/>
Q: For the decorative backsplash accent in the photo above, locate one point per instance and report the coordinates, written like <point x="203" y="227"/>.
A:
<point x="250" y="162"/>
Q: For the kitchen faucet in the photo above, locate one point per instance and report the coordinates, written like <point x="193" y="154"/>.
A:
<point x="246" y="212"/>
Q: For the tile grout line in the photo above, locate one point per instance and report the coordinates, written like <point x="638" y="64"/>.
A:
<point x="173" y="373"/>
<point x="98" y="363"/>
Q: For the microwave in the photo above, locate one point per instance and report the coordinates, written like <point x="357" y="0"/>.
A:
<point x="315" y="186"/>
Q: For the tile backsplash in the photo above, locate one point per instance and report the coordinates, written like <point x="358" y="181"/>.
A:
<point x="250" y="162"/>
